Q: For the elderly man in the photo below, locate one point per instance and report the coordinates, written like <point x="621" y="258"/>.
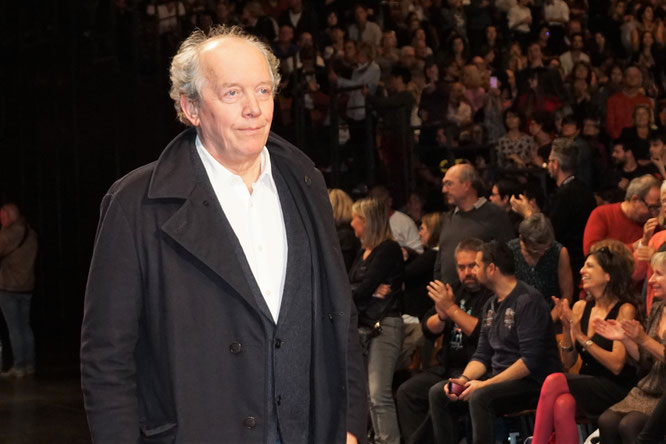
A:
<point x="632" y="222"/>
<point x="18" y="251"/>
<point x="620" y="105"/>
<point x="217" y="307"/>
<point x="471" y="216"/>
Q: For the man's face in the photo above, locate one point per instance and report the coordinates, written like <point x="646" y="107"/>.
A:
<point x="286" y="34"/>
<point x="466" y="267"/>
<point x="647" y="207"/>
<point x="454" y="190"/>
<point x="619" y="155"/>
<point x="481" y="270"/>
<point x="236" y="107"/>
<point x="361" y="15"/>
<point x="577" y="43"/>
<point x="569" y="130"/>
<point x="656" y="149"/>
<point x="496" y="198"/>
<point x="534" y="53"/>
<point x="552" y="166"/>
<point x="633" y="77"/>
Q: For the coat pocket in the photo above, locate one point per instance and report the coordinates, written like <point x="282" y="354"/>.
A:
<point x="163" y="434"/>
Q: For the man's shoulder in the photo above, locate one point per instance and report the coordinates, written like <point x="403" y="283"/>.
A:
<point x="133" y="182"/>
<point x="401" y="219"/>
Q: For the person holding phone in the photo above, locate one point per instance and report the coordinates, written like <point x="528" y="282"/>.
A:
<point x="515" y="353"/>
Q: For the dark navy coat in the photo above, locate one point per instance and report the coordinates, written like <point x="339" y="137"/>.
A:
<point x="172" y="348"/>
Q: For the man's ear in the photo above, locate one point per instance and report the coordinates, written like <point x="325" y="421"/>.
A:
<point x="190" y="109"/>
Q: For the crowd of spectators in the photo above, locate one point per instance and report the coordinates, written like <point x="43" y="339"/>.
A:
<point x="556" y="111"/>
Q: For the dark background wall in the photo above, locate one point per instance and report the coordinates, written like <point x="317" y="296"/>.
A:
<point x="84" y="101"/>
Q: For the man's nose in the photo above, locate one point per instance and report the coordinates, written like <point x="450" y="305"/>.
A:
<point x="251" y="106"/>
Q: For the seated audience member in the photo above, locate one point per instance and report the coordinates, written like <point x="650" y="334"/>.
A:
<point x="604" y="378"/>
<point x="575" y="54"/>
<point x="658" y="152"/>
<point x="363" y="30"/>
<point x="620" y="106"/>
<point x="418" y="273"/>
<point x="378" y="262"/>
<point x="622" y="422"/>
<point x="515" y="149"/>
<point x="624" y="221"/>
<point x="456" y="315"/>
<point x="541" y="261"/>
<point x="637" y="136"/>
<point x="650" y="243"/>
<point x="516" y="350"/>
<point x="570" y="129"/>
<point x="541" y="127"/>
<point x="500" y="195"/>
<point x="418" y="267"/>
<point x="654" y="430"/>
<point x="624" y="157"/>
<point x="470" y="216"/>
<point x="403" y="228"/>
<point x="342" y="212"/>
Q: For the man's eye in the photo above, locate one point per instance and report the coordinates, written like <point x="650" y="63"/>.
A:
<point x="232" y="93"/>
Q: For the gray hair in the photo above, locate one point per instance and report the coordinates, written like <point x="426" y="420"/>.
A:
<point x="658" y="260"/>
<point x="641" y="186"/>
<point x="185" y="72"/>
<point x="536" y="230"/>
<point x="467" y="173"/>
<point x="565" y="152"/>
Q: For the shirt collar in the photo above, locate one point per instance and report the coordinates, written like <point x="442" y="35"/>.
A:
<point x="478" y="204"/>
<point x="212" y="165"/>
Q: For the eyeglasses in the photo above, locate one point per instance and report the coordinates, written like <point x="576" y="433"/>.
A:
<point x="651" y="208"/>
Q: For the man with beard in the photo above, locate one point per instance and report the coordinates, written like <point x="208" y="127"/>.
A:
<point x="455" y="315"/>
<point x="515" y="352"/>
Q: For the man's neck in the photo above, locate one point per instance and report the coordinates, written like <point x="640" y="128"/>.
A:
<point x="630" y="92"/>
<point x="504" y="286"/>
<point x="629" y="166"/>
<point x="626" y="209"/>
<point x="468" y="203"/>
<point x="561" y="177"/>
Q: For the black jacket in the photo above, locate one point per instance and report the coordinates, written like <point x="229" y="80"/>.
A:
<point x="172" y="348"/>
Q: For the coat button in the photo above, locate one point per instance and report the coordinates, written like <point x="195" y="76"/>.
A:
<point x="235" y="348"/>
<point x="278" y="343"/>
<point x="308" y="181"/>
<point x="205" y="203"/>
<point x="250" y="422"/>
<point x="278" y="399"/>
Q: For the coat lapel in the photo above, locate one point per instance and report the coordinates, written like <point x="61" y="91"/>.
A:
<point x="179" y="174"/>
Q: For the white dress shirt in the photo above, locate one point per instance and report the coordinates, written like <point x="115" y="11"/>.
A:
<point x="257" y="221"/>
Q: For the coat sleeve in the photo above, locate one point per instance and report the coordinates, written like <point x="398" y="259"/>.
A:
<point x="110" y="330"/>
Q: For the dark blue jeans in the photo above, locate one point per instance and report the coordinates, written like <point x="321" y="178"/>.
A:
<point x="16" y="310"/>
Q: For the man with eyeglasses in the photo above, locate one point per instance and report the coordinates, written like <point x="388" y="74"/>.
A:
<point x="632" y="222"/>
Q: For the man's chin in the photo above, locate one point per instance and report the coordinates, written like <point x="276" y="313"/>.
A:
<point x="471" y="285"/>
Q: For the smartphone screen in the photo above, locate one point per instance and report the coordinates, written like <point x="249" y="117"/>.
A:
<point x="493" y="82"/>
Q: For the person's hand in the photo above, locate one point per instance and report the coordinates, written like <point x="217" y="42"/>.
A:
<point x="516" y="159"/>
<point x="658" y="162"/>
<point x="382" y="291"/>
<point x="556" y="312"/>
<point x="332" y="77"/>
<point x="569" y="320"/>
<point x="521" y="205"/>
<point x="634" y="330"/>
<point x="459" y="381"/>
<point x="364" y="90"/>
<point x="648" y="229"/>
<point x="644" y="253"/>
<point x="609" y="329"/>
<point x="623" y="183"/>
<point x="442" y="295"/>
<point x="351" y="439"/>
<point x="472" y="386"/>
<point x="312" y="85"/>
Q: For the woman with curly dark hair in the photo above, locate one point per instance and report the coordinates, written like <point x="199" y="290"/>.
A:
<point x="603" y="379"/>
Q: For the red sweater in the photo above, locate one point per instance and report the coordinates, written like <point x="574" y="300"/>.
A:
<point x="618" y="111"/>
<point x="609" y="222"/>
